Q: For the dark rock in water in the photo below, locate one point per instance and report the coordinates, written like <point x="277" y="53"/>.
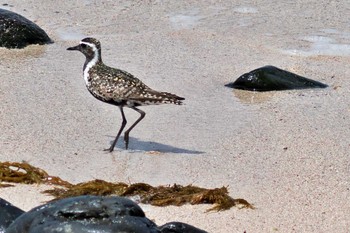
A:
<point x="270" y="78"/>
<point x="8" y="213"/>
<point x="18" y="32"/>
<point x="179" y="227"/>
<point x="85" y="214"/>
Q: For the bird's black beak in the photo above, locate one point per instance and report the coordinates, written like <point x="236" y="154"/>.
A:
<point x="74" y="48"/>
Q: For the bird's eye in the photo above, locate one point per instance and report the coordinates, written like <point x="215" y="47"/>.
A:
<point x="83" y="46"/>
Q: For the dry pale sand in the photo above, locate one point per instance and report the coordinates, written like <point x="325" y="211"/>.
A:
<point x="285" y="152"/>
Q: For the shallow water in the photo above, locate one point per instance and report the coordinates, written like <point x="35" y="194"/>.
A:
<point x="70" y="34"/>
<point x="326" y="45"/>
<point x="185" y="20"/>
<point x="245" y="9"/>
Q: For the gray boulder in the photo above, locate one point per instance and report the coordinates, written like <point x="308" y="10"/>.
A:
<point x="8" y="213"/>
<point x="90" y="214"/>
<point x="85" y="214"/>
<point x="179" y="227"/>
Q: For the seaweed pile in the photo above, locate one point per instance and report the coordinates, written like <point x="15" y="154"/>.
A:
<point x="13" y="172"/>
<point x="24" y="173"/>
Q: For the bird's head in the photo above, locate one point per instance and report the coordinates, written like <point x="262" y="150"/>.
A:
<point x="90" y="47"/>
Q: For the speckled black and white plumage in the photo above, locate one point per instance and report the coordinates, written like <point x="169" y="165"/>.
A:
<point x="118" y="87"/>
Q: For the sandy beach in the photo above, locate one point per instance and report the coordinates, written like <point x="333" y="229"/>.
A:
<point x="285" y="152"/>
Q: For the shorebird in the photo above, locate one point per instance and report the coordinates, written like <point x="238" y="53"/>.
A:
<point x="118" y="87"/>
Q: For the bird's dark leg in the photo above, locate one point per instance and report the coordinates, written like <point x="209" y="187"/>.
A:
<point x="126" y="134"/>
<point x="120" y="130"/>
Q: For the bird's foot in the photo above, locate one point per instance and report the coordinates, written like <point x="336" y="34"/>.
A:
<point x="109" y="149"/>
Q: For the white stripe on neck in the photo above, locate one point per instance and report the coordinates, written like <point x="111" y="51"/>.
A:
<point x="92" y="62"/>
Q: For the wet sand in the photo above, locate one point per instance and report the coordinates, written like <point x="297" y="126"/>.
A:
<point x="285" y="152"/>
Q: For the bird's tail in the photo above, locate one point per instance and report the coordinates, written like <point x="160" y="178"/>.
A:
<point x="155" y="97"/>
<point x="169" y="98"/>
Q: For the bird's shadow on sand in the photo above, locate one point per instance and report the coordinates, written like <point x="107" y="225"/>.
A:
<point x="138" y="145"/>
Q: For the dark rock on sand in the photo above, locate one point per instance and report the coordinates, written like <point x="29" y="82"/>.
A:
<point x="8" y="213"/>
<point x="271" y="78"/>
<point x="179" y="227"/>
<point x="92" y="214"/>
<point x="85" y="214"/>
<point x="17" y="32"/>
